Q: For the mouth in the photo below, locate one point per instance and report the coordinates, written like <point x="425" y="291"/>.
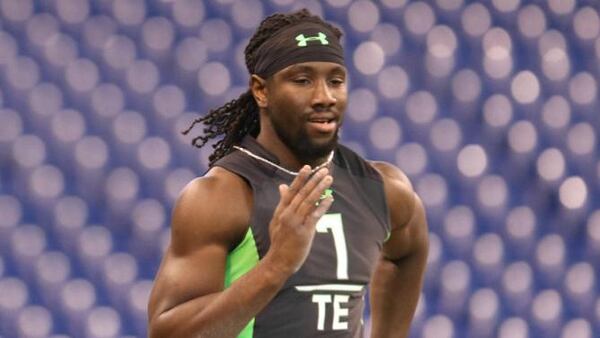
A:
<point x="323" y="125"/>
<point x="323" y="120"/>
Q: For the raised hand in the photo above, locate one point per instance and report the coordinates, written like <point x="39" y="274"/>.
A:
<point x="292" y="227"/>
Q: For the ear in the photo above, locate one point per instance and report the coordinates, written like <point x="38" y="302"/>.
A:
<point x="258" y="86"/>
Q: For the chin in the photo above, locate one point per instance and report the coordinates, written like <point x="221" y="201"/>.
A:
<point x="306" y="146"/>
<point x="314" y="149"/>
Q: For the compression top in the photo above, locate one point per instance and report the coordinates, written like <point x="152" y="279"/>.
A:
<point x="325" y="298"/>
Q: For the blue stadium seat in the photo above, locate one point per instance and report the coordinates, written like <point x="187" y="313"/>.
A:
<point x="70" y="216"/>
<point x="517" y="285"/>
<point x="488" y="258"/>
<point x="77" y="296"/>
<point x="12" y="210"/>
<point x="34" y="321"/>
<point x="27" y="243"/>
<point x="119" y="272"/>
<point x="103" y="322"/>
<point x="484" y="311"/>
<point x="580" y="289"/>
<point x="514" y="327"/>
<point x="94" y="243"/>
<point x="435" y="260"/>
<point x="455" y="286"/>
<point x="52" y="270"/>
<point x="578" y="327"/>
<point x="14" y="296"/>
<point x="440" y="326"/>
<point x="137" y="299"/>
<point x="547" y="313"/>
<point x="550" y="259"/>
<point x="459" y="230"/>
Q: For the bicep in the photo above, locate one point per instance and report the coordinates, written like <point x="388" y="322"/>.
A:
<point x="201" y="236"/>
<point x="406" y="214"/>
<point x="408" y="237"/>
<point x="187" y="276"/>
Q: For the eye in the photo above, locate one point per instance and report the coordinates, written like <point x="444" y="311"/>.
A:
<point x="337" y="81"/>
<point x="301" y="81"/>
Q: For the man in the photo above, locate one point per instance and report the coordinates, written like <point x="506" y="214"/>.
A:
<point x="284" y="232"/>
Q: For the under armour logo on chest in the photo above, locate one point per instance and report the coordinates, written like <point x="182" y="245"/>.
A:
<point x="303" y="40"/>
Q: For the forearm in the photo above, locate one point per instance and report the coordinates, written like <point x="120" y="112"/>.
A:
<point x="395" y="290"/>
<point x="222" y="314"/>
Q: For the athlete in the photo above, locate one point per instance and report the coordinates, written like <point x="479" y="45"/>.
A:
<point x="288" y="228"/>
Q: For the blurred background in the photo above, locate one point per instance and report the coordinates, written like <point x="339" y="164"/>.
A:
<point x="490" y="107"/>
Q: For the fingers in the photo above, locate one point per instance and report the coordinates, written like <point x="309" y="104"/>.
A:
<point x="308" y="198"/>
<point x="289" y="192"/>
<point x="283" y="189"/>
<point x="302" y="196"/>
<point x="322" y="208"/>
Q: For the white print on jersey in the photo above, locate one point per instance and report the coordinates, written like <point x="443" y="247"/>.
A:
<point x="334" y="223"/>
<point x="338" y="323"/>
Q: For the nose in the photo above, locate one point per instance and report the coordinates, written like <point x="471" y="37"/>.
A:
<point x="323" y="96"/>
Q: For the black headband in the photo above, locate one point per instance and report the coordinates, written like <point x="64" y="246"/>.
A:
<point x="302" y="42"/>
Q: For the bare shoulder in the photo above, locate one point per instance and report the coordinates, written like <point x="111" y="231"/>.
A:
<point x="390" y="172"/>
<point x="398" y="189"/>
<point x="409" y="225"/>
<point x="212" y="209"/>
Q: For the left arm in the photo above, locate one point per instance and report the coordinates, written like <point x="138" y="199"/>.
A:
<point x="398" y="275"/>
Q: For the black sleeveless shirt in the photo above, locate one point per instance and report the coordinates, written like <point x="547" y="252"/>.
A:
<point x="325" y="298"/>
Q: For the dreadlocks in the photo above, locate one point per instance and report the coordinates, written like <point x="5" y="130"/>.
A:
<point x="240" y="116"/>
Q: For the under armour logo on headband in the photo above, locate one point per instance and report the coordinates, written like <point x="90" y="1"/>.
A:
<point x="297" y="43"/>
<point x="303" y="40"/>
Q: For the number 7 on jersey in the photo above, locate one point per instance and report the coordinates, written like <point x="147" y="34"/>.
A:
<point x="334" y="223"/>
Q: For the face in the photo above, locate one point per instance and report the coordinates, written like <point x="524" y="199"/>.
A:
<point x="306" y="103"/>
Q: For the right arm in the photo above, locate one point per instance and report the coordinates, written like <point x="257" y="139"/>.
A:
<point x="188" y="298"/>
